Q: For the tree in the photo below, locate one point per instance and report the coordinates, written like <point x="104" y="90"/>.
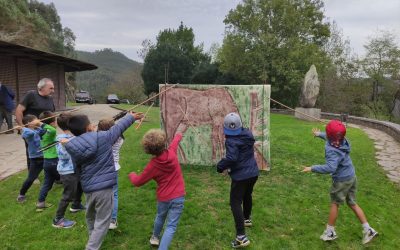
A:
<point x="382" y="60"/>
<point x="173" y="58"/>
<point x="275" y="41"/>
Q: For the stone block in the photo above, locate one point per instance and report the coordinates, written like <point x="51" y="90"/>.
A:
<point x="313" y="112"/>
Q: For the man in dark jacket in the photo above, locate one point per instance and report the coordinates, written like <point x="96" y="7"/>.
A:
<point x="241" y="165"/>
<point x="92" y="151"/>
<point x="6" y="106"/>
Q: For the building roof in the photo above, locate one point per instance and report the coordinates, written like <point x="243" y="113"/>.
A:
<point x="42" y="57"/>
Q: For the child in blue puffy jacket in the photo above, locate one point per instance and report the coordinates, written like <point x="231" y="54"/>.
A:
<point x="344" y="186"/>
<point x="241" y="165"/>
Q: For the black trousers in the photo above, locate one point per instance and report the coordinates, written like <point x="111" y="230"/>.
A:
<point x="241" y="194"/>
<point x="72" y="193"/>
<point x="36" y="166"/>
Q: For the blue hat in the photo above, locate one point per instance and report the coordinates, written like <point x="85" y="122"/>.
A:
<point x="232" y="124"/>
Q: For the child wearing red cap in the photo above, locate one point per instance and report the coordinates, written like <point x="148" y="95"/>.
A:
<point x="344" y="185"/>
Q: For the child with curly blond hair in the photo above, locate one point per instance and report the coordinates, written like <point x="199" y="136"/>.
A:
<point x="164" y="168"/>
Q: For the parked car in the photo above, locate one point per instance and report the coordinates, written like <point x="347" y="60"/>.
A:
<point x="126" y="101"/>
<point x="83" y="97"/>
<point x="112" y="98"/>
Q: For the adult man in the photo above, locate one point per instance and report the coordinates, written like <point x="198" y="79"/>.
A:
<point x="6" y="106"/>
<point x="35" y="102"/>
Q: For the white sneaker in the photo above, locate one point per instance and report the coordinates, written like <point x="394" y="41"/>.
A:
<point x="368" y="235"/>
<point x="328" y="235"/>
<point x="113" y="224"/>
<point x="154" y="241"/>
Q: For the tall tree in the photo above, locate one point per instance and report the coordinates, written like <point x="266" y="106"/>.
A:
<point x="173" y="58"/>
<point x="275" y="41"/>
<point x="382" y="60"/>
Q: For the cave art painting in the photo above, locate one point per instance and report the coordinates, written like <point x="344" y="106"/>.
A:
<point x="199" y="110"/>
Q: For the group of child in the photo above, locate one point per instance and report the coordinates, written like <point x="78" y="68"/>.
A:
<point x="86" y="160"/>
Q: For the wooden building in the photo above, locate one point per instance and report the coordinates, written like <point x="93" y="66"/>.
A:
<point x="22" y="67"/>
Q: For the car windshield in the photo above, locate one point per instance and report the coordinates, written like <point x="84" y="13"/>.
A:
<point x="112" y="96"/>
<point x="82" y="94"/>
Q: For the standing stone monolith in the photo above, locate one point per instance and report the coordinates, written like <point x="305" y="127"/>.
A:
<point x="308" y="96"/>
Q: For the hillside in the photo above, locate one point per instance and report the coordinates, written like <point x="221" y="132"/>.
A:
<point x="114" y="68"/>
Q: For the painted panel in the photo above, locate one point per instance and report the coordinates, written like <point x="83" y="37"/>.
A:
<point x="200" y="110"/>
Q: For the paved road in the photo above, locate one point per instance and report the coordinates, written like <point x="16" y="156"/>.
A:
<point x="12" y="149"/>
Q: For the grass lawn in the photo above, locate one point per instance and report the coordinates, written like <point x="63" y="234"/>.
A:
<point x="290" y="208"/>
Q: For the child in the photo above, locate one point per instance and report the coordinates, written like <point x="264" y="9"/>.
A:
<point x="242" y="167"/>
<point x="31" y="134"/>
<point x="69" y="177"/>
<point x="344" y="186"/>
<point x="92" y="152"/>
<point x="50" y="158"/>
<point x="105" y="125"/>
<point x="164" y="168"/>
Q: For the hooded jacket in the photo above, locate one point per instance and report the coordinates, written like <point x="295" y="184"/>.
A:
<point x="166" y="171"/>
<point x="92" y="151"/>
<point x="32" y="138"/>
<point x="64" y="165"/>
<point x="338" y="161"/>
<point x="239" y="157"/>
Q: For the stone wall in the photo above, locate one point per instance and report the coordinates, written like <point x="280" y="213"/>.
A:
<point x="390" y="128"/>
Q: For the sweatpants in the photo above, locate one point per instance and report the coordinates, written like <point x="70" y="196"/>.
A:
<point x="72" y="193"/>
<point x="241" y="192"/>
<point x="99" y="205"/>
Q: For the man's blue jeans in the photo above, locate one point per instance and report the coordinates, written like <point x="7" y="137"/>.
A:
<point x="170" y="210"/>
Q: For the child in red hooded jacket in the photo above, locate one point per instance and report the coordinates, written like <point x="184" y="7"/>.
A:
<point x="164" y="168"/>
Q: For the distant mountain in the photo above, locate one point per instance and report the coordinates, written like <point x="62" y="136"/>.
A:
<point x="112" y="67"/>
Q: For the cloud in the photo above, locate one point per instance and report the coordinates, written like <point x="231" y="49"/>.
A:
<point x="125" y="24"/>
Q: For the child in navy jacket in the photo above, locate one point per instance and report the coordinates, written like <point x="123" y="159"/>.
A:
<point x="241" y="165"/>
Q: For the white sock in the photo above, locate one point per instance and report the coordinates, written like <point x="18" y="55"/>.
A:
<point x="366" y="226"/>
<point x="330" y="228"/>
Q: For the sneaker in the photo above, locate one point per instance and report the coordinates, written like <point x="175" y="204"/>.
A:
<point x="248" y="223"/>
<point x="41" y="206"/>
<point x="113" y="224"/>
<point x="240" y="242"/>
<point x="154" y="241"/>
<point x="328" y="235"/>
<point x="63" y="223"/>
<point x="73" y="209"/>
<point x="21" y="198"/>
<point x="368" y="235"/>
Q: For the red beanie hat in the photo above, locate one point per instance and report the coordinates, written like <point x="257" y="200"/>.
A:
<point x="335" y="131"/>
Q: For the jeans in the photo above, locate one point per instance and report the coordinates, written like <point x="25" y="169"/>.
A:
<point x="72" y="193"/>
<point x="114" y="212"/>
<point x="34" y="171"/>
<point x="4" y="114"/>
<point x="241" y="193"/>
<point x="50" y="175"/>
<point x="173" y="210"/>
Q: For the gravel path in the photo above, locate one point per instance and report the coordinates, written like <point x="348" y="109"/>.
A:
<point x="12" y="149"/>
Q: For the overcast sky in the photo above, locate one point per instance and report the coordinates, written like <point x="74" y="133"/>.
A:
<point x="123" y="24"/>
